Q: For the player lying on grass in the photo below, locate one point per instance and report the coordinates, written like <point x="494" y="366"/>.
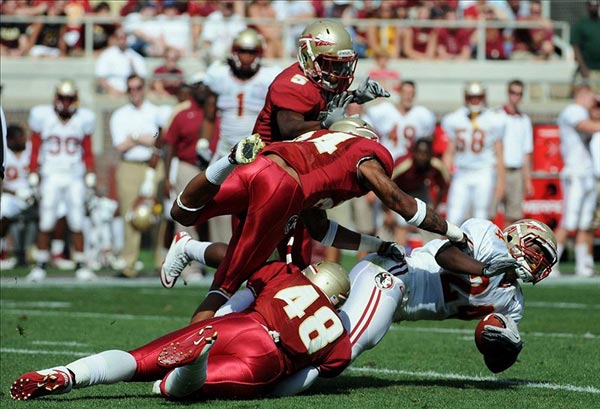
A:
<point x="438" y="283"/>
<point x="292" y="324"/>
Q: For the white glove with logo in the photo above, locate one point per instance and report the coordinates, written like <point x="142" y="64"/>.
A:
<point x="147" y="187"/>
<point x="26" y="194"/>
<point x="507" y="338"/>
<point x="499" y="266"/>
<point x="392" y="250"/>
<point x="336" y="109"/>
<point x="368" y="90"/>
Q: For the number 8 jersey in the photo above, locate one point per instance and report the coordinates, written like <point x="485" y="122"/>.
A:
<point x="60" y="147"/>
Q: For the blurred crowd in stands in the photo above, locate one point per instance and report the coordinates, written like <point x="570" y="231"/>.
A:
<point x="157" y="27"/>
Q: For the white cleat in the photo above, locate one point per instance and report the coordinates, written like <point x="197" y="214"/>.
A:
<point x="8" y="263"/>
<point x="246" y="150"/>
<point x="63" y="263"/>
<point x="85" y="274"/>
<point x="36" y="275"/>
<point x="175" y="261"/>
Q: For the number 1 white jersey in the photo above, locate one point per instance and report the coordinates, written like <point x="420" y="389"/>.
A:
<point x="398" y="132"/>
<point x="239" y="101"/>
<point x="474" y="139"/>
<point x="61" y="150"/>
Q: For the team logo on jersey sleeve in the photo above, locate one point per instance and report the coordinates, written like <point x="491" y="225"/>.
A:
<point x="384" y="280"/>
<point x="291" y="224"/>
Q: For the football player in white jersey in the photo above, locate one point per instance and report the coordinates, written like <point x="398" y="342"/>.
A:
<point x="239" y="87"/>
<point x="400" y="126"/>
<point x="438" y="281"/>
<point x="475" y="152"/>
<point x="16" y="193"/>
<point x="579" y="191"/>
<point x="61" y="168"/>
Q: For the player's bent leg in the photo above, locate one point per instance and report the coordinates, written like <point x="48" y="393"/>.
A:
<point x="35" y="384"/>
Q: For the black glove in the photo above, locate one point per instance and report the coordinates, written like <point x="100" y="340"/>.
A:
<point x="392" y="250"/>
<point x="499" y="266"/>
<point x="336" y="109"/>
<point x="368" y="90"/>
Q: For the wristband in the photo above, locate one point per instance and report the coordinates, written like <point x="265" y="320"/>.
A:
<point x="419" y="216"/>
<point x="369" y="243"/>
<point x="330" y="235"/>
<point x="183" y="207"/>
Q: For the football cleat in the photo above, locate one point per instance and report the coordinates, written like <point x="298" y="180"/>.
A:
<point x="36" y="275"/>
<point x="7" y="263"/>
<point x="188" y="349"/>
<point x="85" y="274"/>
<point x="51" y="381"/>
<point x="175" y="261"/>
<point x="246" y="150"/>
<point x="62" y="263"/>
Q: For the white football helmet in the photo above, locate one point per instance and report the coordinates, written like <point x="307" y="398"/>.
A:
<point x="327" y="56"/>
<point x="248" y="41"/>
<point x="534" y="265"/>
<point x="144" y="214"/>
<point x="66" y="99"/>
<point x="355" y="126"/>
<point x="332" y="279"/>
<point x="475" y="89"/>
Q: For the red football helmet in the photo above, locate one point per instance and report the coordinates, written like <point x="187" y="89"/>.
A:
<point x="66" y="100"/>
<point x="327" y="56"/>
<point x="249" y="43"/>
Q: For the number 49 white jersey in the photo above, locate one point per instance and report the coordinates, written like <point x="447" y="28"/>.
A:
<point x="398" y="132"/>
<point x="435" y="294"/>
<point x="239" y="101"/>
<point x="474" y="139"/>
<point x="61" y="149"/>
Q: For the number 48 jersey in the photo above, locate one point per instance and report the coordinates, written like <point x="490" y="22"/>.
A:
<point x="435" y="294"/>
<point x="61" y="150"/>
<point x="307" y="327"/>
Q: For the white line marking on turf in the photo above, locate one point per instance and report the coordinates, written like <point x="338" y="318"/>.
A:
<point x="587" y="335"/>
<point x="34" y="304"/>
<point x="563" y="305"/>
<point x="42" y="352"/>
<point x="459" y="377"/>
<point x="60" y="343"/>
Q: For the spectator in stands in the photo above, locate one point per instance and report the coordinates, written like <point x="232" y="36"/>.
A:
<point x="220" y="28"/>
<point x="175" y="26"/>
<point x="168" y="77"/>
<point x="453" y="42"/>
<point x="47" y="39"/>
<point x="579" y="192"/>
<point x="270" y="32"/>
<point x="134" y="128"/>
<point x="385" y="37"/>
<point x="518" y="146"/>
<point x="534" y="42"/>
<point x="420" y="43"/>
<point x="584" y="38"/>
<point x="146" y="31"/>
<point x="13" y="38"/>
<point x="494" y="38"/>
<point x="116" y="64"/>
<point x="102" y="32"/>
<point x="296" y="10"/>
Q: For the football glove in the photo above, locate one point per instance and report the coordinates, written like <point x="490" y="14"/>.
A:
<point x="90" y="180"/>
<point x="336" y="109"/>
<point x="506" y="340"/>
<point x="499" y="266"/>
<point x="392" y="250"/>
<point x="203" y="153"/>
<point x="26" y="194"/>
<point x="368" y="90"/>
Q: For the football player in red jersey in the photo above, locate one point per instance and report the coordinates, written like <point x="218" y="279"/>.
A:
<point x="303" y="97"/>
<point x="289" y="181"/>
<point x="292" y="324"/>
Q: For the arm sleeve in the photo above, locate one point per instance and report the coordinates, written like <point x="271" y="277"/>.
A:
<point x="447" y="127"/>
<point x="102" y="66"/>
<point x="117" y="132"/>
<point x="528" y="135"/>
<point x="238" y="302"/>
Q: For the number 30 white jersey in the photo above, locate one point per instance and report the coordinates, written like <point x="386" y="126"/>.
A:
<point x="474" y="139"/>
<point x="61" y="149"/>
<point x="398" y="132"/>
<point x="239" y="101"/>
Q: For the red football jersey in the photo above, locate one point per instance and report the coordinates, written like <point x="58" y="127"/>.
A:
<point x="327" y="164"/>
<point x="310" y="331"/>
<point x="291" y="90"/>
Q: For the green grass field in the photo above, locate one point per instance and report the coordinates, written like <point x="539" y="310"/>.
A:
<point x="417" y="365"/>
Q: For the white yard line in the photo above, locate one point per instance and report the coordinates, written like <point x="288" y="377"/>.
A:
<point x="459" y="377"/>
<point x="562" y="305"/>
<point x="470" y="332"/>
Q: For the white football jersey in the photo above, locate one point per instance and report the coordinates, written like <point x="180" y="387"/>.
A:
<point x="61" y="151"/>
<point x="517" y="138"/>
<point x="398" y="132"/>
<point x="434" y="294"/>
<point x="239" y="101"/>
<point x="474" y="139"/>
<point x="574" y="145"/>
<point x="17" y="169"/>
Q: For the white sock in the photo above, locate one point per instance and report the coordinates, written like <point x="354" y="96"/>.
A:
<point x="57" y="247"/>
<point x="42" y="256"/>
<point x="217" y="172"/>
<point x="581" y="257"/>
<point x="187" y="379"/>
<point x="118" y="235"/>
<point x="104" y="368"/>
<point x="195" y="250"/>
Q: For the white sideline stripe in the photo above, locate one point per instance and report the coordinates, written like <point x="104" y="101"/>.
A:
<point x="99" y="315"/>
<point x="43" y="352"/>
<point x="459" y="377"/>
<point x="60" y="343"/>
<point x="563" y="305"/>
<point x="587" y="335"/>
<point x="34" y="304"/>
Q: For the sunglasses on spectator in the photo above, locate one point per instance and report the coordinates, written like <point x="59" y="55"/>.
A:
<point x="512" y="92"/>
<point x="137" y="88"/>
